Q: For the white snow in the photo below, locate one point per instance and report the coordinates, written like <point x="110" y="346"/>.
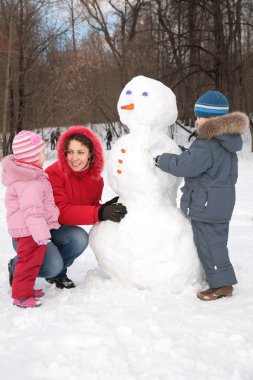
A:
<point x="102" y="330"/>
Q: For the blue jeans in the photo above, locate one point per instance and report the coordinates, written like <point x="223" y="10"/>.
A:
<point x="67" y="243"/>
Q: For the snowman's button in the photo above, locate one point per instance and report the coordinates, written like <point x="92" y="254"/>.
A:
<point x="123" y="150"/>
<point x="119" y="171"/>
<point x="120" y="161"/>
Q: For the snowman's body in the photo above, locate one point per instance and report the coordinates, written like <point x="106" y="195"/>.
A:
<point x="152" y="246"/>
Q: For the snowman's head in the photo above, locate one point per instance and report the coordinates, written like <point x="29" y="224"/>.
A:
<point x="147" y="104"/>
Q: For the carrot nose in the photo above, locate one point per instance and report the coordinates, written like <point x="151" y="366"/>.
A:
<point x="128" y="107"/>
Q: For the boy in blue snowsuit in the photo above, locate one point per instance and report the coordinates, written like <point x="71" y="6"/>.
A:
<point x="210" y="169"/>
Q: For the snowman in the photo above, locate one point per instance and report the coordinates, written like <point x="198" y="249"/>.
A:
<point x="152" y="247"/>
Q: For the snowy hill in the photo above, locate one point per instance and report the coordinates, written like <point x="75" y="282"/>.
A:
<point x="103" y="331"/>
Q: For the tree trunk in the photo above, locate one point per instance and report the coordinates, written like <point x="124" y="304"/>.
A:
<point x="12" y="118"/>
<point x="7" y="87"/>
<point x="21" y="79"/>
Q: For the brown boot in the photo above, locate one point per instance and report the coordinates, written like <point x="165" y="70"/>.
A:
<point x="215" y="293"/>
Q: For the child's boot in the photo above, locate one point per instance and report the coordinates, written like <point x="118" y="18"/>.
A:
<point x="38" y="293"/>
<point x="213" y="294"/>
<point x="26" y="302"/>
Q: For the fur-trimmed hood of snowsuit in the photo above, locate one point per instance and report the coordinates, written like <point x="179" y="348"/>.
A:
<point x="77" y="194"/>
<point x="98" y="164"/>
<point x="232" y="123"/>
<point x="210" y="168"/>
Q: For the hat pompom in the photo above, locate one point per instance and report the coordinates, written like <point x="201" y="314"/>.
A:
<point x="210" y="104"/>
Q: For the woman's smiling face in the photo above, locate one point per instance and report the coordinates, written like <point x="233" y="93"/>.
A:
<point x="78" y="156"/>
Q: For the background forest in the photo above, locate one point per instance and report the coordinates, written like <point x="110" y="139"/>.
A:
<point x="65" y="62"/>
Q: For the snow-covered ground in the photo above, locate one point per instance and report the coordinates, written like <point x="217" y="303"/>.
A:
<point x="103" y="331"/>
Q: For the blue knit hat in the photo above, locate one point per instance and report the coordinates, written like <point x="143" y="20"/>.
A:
<point x="212" y="103"/>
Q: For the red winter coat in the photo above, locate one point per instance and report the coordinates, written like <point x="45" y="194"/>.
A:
<point x="77" y="194"/>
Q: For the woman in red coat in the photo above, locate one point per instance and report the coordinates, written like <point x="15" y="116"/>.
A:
<point x="77" y="187"/>
<point x="76" y="176"/>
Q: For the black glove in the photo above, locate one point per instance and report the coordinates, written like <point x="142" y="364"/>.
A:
<point x="114" y="212"/>
<point x="183" y="149"/>
<point x="113" y="200"/>
<point x="193" y="134"/>
<point x="156" y="160"/>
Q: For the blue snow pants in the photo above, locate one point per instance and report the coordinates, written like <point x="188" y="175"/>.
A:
<point x="211" y="242"/>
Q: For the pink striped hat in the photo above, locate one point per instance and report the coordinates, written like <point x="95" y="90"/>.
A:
<point x="27" y="146"/>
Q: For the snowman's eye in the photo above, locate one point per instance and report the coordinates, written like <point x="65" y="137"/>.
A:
<point x="129" y="92"/>
<point x="144" y="93"/>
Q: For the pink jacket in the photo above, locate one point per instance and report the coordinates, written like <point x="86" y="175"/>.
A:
<point x="29" y="200"/>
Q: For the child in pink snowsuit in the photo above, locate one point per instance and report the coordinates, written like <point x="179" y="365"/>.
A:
<point x="31" y="213"/>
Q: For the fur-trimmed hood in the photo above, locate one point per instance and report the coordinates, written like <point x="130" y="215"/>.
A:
<point x="232" y="123"/>
<point x="226" y="129"/>
<point x="98" y="163"/>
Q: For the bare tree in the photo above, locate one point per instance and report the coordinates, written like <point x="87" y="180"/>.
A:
<point x="7" y="77"/>
<point x="117" y="21"/>
<point x="26" y="46"/>
<point x="60" y="74"/>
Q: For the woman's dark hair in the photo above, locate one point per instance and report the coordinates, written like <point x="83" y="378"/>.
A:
<point x="84" y="141"/>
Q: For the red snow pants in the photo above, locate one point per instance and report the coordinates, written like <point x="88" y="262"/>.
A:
<point x="30" y="259"/>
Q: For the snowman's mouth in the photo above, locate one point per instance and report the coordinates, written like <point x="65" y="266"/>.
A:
<point x="128" y="107"/>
